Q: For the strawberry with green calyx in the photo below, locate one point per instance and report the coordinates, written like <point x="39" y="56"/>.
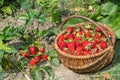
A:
<point x="70" y="36"/>
<point x="92" y="44"/>
<point x="89" y="52"/>
<point x="103" y="44"/>
<point x="95" y="50"/>
<point x="70" y="29"/>
<point x="71" y="46"/>
<point x="82" y="32"/>
<point x="97" y="41"/>
<point x="44" y="57"/>
<point x="33" y="50"/>
<point x="88" y="34"/>
<point x="77" y="43"/>
<point x="97" y="36"/>
<point x="79" y="50"/>
<point x="84" y="43"/>
<point x="98" y="29"/>
<point x="61" y="38"/>
<point x="42" y="49"/>
<point x="72" y="52"/>
<point x="37" y="59"/>
<point x="27" y="55"/>
<point x="62" y="44"/>
<point x="32" y="62"/>
<point x="65" y="50"/>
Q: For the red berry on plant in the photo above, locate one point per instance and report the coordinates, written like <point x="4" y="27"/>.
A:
<point x="37" y="58"/>
<point x="103" y="44"/>
<point x="70" y="29"/>
<point x="44" y="57"/>
<point x="32" y="62"/>
<point x="27" y="55"/>
<point x="33" y="49"/>
<point x="42" y="49"/>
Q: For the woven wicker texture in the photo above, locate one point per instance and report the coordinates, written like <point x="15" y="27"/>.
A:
<point x="91" y="63"/>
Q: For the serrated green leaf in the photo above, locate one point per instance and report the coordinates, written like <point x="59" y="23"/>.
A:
<point x="113" y="22"/>
<point x="4" y="46"/>
<point x="109" y="8"/>
<point x="52" y="53"/>
<point x="49" y="70"/>
<point x="36" y="74"/>
<point x="6" y="9"/>
<point x="55" y="61"/>
<point x="12" y="50"/>
<point x="24" y="16"/>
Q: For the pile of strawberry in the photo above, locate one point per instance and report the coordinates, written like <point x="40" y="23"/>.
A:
<point x="83" y="40"/>
<point x="35" y="55"/>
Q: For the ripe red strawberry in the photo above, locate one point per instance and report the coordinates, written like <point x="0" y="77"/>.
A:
<point x="72" y="52"/>
<point x="37" y="58"/>
<point x="88" y="34"/>
<point x="97" y="36"/>
<point x="79" y="50"/>
<point x="70" y="29"/>
<point x="32" y="62"/>
<point x="103" y="44"/>
<point x="82" y="32"/>
<point x="84" y="43"/>
<point x="42" y="49"/>
<point x="45" y="57"/>
<point x="65" y="50"/>
<point x="78" y="38"/>
<point x="98" y="29"/>
<point x="27" y="55"/>
<point x="71" y="46"/>
<point x="89" y="52"/>
<point x="61" y="38"/>
<point x="70" y="36"/>
<point x="97" y="41"/>
<point x="33" y="50"/>
<point x="102" y="36"/>
<point x="77" y="43"/>
<point x="62" y="44"/>
<point x="95" y="50"/>
<point x="92" y="44"/>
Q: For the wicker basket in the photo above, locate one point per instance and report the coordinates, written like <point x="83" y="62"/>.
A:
<point x="92" y="63"/>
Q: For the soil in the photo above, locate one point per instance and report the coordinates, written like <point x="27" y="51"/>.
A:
<point x="61" y="72"/>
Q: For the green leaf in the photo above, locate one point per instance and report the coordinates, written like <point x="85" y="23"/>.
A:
<point x="109" y="8"/>
<point x="55" y="61"/>
<point x="6" y="9"/>
<point x="113" y="22"/>
<point x="49" y="70"/>
<point x="12" y="50"/>
<point x="24" y="16"/>
<point x="1" y="55"/>
<point x="36" y="74"/>
<point x="4" y="46"/>
<point x="52" y="53"/>
<point x="1" y="2"/>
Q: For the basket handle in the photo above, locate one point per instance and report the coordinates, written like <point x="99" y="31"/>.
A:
<point x="88" y="19"/>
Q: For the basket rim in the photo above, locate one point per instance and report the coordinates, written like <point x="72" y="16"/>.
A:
<point x="89" y="56"/>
